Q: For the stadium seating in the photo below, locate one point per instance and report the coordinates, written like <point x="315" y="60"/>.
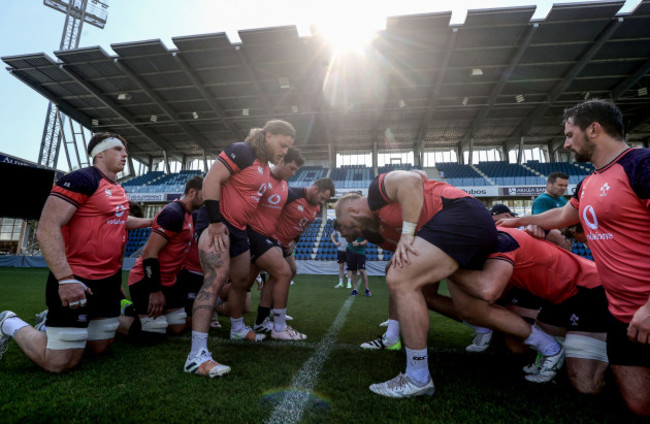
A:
<point x="307" y="175"/>
<point x="506" y="174"/>
<point x="352" y="176"/>
<point x="576" y="171"/>
<point x="461" y="175"/>
<point x="137" y="239"/>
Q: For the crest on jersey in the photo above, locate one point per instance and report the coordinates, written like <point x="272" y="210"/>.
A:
<point x="301" y="208"/>
<point x="270" y="185"/>
<point x="260" y="170"/>
<point x="107" y="192"/>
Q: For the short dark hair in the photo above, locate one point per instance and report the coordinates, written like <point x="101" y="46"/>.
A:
<point x="325" y="184"/>
<point x="294" y="155"/>
<point x="99" y="137"/>
<point x="606" y="113"/>
<point x="196" y="183"/>
<point x="553" y="176"/>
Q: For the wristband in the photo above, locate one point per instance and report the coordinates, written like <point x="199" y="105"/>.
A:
<point x="214" y="214"/>
<point x="73" y="281"/>
<point x="408" y="227"/>
<point x="151" y="268"/>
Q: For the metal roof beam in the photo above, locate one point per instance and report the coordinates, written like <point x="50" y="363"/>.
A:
<point x="246" y="64"/>
<point x="496" y="91"/>
<point x="163" y="105"/>
<point x="117" y="109"/>
<point x="530" y="121"/>
<point x="437" y="85"/>
<point x="630" y="81"/>
<point x="216" y="107"/>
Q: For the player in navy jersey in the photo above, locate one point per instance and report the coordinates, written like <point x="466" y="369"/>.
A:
<point x="613" y="205"/>
<point x="158" y="300"/>
<point x="232" y="190"/>
<point x="82" y="233"/>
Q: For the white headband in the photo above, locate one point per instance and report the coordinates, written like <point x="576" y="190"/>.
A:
<point x="105" y="144"/>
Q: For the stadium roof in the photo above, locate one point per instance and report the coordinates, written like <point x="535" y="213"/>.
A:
<point x="421" y="83"/>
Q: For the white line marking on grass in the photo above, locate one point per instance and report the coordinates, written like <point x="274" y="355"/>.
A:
<point x="294" y="400"/>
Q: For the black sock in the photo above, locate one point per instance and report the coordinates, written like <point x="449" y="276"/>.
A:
<point x="262" y="314"/>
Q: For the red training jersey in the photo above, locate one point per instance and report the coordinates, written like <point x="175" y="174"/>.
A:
<point x="192" y="262"/>
<point x="174" y="223"/>
<point x="543" y="268"/>
<point x="296" y="216"/>
<point x="95" y="236"/>
<point x="241" y="194"/>
<point x="613" y="203"/>
<point x="389" y="212"/>
<point x="270" y="208"/>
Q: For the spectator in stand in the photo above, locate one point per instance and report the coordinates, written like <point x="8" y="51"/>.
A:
<point x="553" y="197"/>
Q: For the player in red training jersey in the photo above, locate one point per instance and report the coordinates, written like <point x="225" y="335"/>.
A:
<point x="266" y="252"/>
<point x="232" y="190"/>
<point x="158" y="301"/>
<point x="82" y="233"/>
<point x="612" y="203"/>
<point x="423" y="216"/>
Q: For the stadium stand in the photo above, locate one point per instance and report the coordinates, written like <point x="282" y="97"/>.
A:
<point x="506" y="174"/>
<point x="576" y="171"/>
<point x="307" y="175"/>
<point x="461" y="175"/>
<point x="137" y="184"/>
<point x="137" y="239"/>
<point x="352" y="176"/>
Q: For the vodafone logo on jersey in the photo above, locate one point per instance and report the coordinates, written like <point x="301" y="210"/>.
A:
<point x="590" y="219"/>
<point x="119" y="210"/>
<point x="275" y="199"/>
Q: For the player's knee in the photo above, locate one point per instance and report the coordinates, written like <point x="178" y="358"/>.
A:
<point x="176" y="321"/>
<point x="148" y="331"/>
<point x="585" y="347"/>
<point x="65" y="338"/>
<point x="102" y="329"/>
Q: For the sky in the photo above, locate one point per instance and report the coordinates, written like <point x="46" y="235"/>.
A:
<point x="28" y="26"/>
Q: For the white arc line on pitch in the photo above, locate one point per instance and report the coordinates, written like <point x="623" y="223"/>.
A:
<point x="293" y="402"/>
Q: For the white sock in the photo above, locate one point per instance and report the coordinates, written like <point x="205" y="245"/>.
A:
<point x="542" y="342"/>
<point x="392" y="331"/>
<point x="479" y="330"/>
<point x="199" y="341"/>
<point x="236" y="324"/>
<point x="417" y="366"/>
<point x="279" y="319"/>
<point x="43" y="328"/>
<point x="340" y="280"/>
<point x="12" y="325"/>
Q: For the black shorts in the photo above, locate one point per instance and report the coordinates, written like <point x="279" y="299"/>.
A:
<point x="190" y="283"/>
<point x="517" y="296"/>
<point x="355" y="261"/>
<point x="260" y="244"/>
<point x="238" y="238"/>
<point x="341" y="256"/>
<point x="103" y="303"/>
<point x="464" y="230"/>
<point x="174" y="296"/>
<point x="620" y="350"/>
<point x="585" y="311"/>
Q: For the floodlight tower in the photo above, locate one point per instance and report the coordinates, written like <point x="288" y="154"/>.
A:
<point x="93" y="12"/>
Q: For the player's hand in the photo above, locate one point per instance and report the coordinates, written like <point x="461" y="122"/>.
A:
<point x="156" y="304"/>
<point x="73" y="293"/>
<point x="218" y="233"/>
<point x="403" y="250"/>
<point x="509" y="222"/>
<point x="536" y="231"/>
<point x="639" y="328"/>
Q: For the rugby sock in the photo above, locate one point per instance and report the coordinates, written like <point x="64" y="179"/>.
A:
<point x="236" y="324"/>
<point x="479" y="330"/>
<point x="340" y="281"/>
<point x="392" y="332"/>
<point x="417" y="366"/>
<point x="279" y="319"/>
<point x="12" y="325"/>
<point x="262" y="313"/>
<point x="199" y="341"/>
<point x="542" y="342"/>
